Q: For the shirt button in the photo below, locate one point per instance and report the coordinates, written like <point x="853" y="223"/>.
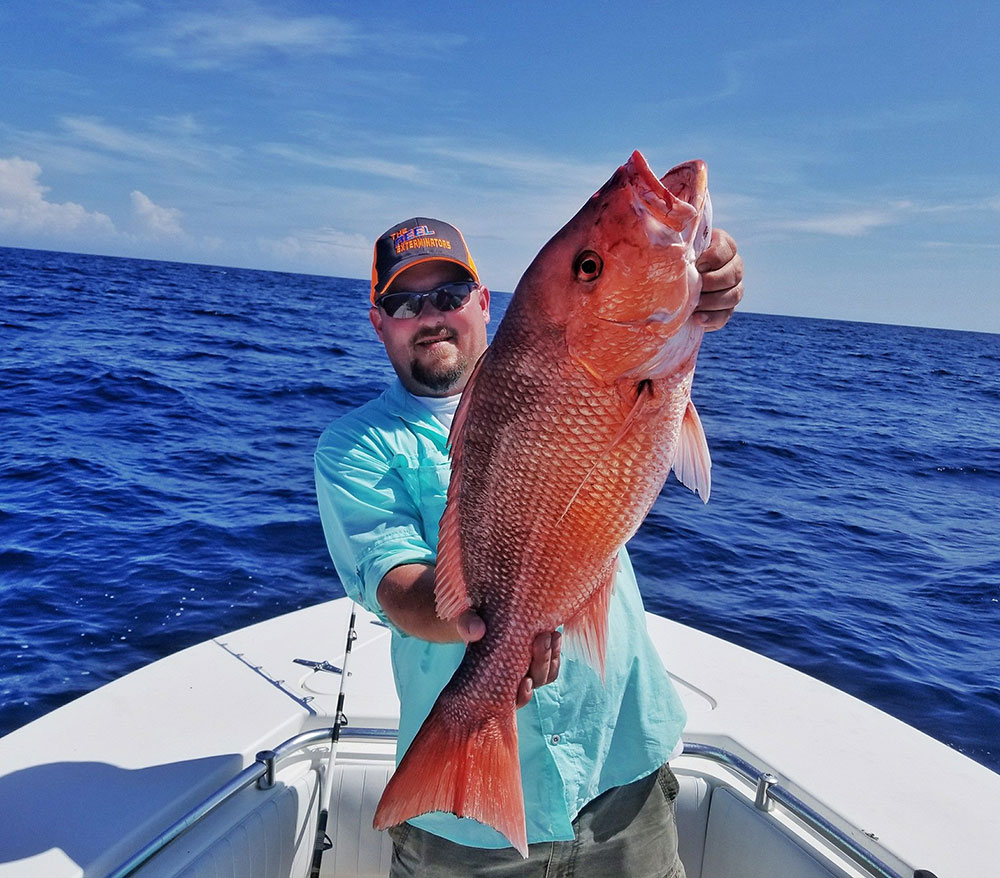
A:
<point x="555" y="739"/>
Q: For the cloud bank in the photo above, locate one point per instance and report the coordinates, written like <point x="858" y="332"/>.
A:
<point x="24" y="207"/>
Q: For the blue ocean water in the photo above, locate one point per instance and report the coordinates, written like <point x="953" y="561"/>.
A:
<point x="158" y="423"/>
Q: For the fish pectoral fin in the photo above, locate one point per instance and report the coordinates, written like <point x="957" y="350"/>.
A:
<point x="468" y="770"/>
<point x="587" y="632"/>
<point x="692" y="463"/>
<point x="646" y="400"/>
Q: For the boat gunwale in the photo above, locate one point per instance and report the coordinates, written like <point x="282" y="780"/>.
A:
<point x="261" y="772"/>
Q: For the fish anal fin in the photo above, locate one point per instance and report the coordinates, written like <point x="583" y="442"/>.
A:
<point x="587" y="632"/>
<point x="692" y="463"/>
<point x="470" y="772"/>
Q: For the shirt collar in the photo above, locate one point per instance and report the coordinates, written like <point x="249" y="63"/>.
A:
<point x="404" y="405"/>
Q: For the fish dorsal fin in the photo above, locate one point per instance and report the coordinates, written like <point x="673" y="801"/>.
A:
<point x="692" y="463"/>
<point x="587" y="632"/>
<point x="451" y="591"/>
<point x="462" y="412"/>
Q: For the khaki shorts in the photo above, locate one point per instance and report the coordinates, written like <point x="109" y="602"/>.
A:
<point x="626" y="832"/>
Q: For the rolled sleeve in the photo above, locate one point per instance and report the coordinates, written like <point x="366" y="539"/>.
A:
<point x="370" y="521"/>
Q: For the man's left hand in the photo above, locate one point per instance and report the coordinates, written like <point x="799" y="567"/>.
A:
<point x="544" y="666"/>
<point x="721" y="269"/>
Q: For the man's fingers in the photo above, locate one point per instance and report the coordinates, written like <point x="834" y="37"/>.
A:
<point x="721" y="269"/>
<point x="715" y="309"/>
<point x="524" y="692"/>
<point x="541" y="659"/>
<point x="728" y="277"/>
<point x="470" y="626"/>
<point x="546" y="653"/>
<point x="556" y="656"/>
<point x="720" y="251"/>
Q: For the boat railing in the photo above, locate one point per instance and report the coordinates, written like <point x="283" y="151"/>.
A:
<point x="260" y="772"/>
<point x="769" y="792"/>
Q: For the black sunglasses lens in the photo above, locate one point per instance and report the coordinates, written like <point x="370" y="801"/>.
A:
<point x="447" y="297"/>
<point x="401" y="305"/>
<point x="450" y="299"/>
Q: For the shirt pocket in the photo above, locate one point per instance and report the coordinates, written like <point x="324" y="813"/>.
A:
<point x="428" y="485"/>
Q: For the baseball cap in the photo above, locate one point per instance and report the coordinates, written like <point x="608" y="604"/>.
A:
<point x="413" y="241"/>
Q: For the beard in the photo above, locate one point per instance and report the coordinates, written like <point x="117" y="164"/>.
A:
<point x="438" y="377"/>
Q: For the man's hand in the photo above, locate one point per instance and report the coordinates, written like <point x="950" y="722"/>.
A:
<point x="406" y="594"/>
<point x="545" y="653"/>
<point x="544" y="667"/>
<point x="721" y="269"/>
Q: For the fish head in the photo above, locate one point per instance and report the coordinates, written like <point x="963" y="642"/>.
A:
<point x="619" y="280"/>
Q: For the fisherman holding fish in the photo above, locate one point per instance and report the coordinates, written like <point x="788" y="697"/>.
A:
<point x="475" y="554"/>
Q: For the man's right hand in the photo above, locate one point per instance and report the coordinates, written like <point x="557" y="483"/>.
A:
<point x="406" y="595"/>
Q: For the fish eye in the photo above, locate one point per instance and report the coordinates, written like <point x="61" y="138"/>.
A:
<point x="588" y="266"/>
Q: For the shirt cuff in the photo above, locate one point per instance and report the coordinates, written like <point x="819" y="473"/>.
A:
<point x="377" y="564"/>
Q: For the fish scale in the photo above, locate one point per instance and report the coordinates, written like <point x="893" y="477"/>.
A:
<point x="565" y="433"/>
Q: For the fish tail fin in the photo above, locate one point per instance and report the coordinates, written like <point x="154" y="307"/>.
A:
<point x="468" y="771"/>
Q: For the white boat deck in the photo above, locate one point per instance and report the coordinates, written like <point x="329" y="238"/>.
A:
<point x="86" y="786"/>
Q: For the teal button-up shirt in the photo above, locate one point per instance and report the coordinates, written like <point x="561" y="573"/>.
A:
<point x="381" y="478"/>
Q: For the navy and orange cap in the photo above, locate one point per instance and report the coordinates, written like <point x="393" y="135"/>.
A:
<point x="413" y="241"/>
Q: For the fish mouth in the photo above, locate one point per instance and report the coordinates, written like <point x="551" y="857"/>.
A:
<point x="677" y="200"/>
<point x="674" y="212"/>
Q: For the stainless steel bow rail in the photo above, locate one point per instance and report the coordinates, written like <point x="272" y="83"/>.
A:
<point x="262" y="773"/>
<point x="770" y="791"/>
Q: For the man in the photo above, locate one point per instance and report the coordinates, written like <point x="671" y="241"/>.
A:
<point x="598" y="792"/>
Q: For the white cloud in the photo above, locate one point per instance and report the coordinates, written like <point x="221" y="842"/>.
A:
<point x="325" y="249"/>
<point x="205" y="40"/>
<point x="520" y="165"/>
<point x="244" y="33"/>
<point x="25" y="209"/>
<point x="154" y="221"/>
<point x="112" y="139"/>
<point x="856" y="222"/>
<point x="365" y="165"/>
<point x="849" y="224"/>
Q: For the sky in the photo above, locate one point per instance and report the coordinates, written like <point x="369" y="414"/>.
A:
<point x="853" y="148"/>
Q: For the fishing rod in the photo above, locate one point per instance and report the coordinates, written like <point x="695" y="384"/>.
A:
<point x="323" y="841"/>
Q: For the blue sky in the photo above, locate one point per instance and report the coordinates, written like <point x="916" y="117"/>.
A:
<point x="852" y="147"/>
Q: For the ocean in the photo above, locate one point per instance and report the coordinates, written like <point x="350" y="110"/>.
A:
<point x="156" y="489"/>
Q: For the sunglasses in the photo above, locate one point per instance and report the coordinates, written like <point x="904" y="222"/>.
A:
<point x="447" y="297"/>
